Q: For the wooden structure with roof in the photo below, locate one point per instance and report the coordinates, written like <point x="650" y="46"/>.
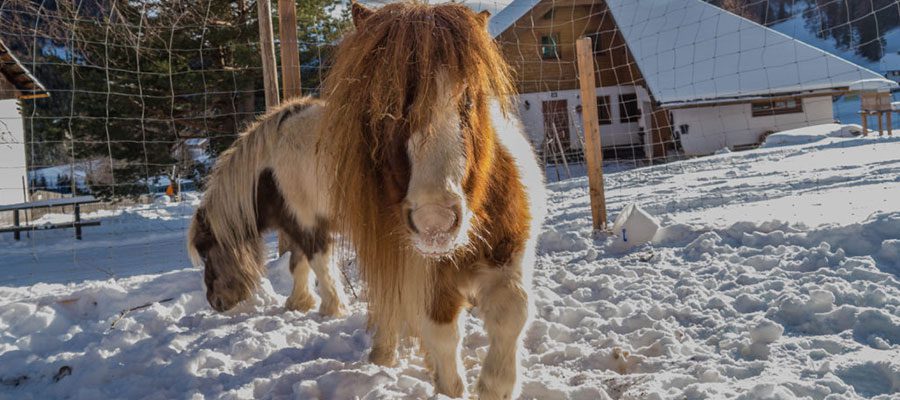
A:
<point x="16" y="84"/>
<point x="15" y="80"/>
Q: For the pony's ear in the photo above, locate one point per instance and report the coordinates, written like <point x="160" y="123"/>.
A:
<point x="359" y="12"/>
<point x="484" y="16"/>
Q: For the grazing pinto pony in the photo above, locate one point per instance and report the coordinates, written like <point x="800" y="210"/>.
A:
<point x="417" y="161"/>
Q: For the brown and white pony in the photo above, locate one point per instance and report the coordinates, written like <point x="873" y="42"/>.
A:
<point x="417" y="161"/>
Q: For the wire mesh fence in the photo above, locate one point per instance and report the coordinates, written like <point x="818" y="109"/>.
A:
<point x="131" y="102"/>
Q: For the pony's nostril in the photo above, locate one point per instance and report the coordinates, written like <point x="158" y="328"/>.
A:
<point x="457" y="216"/>
<point x="409" y="221"/>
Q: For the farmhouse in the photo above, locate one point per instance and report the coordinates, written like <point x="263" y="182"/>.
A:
<point x="16" y="84"/>
<point x="671" y="75"/>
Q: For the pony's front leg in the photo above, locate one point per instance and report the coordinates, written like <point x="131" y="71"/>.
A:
<point x="503" y="301"/>
<point x="384" y="347"/>
<point x="330" y="289"/>
<point x="441" y="341"/>
<point x="300" y="298"/>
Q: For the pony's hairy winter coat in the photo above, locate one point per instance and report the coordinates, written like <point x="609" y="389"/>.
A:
<point x="383" y="88"/>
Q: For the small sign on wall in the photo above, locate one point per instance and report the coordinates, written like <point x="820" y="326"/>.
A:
<point x="553" y="95"/>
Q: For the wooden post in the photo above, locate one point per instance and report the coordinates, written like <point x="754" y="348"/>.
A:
<point x="865" y="122"/>
<point x="593" y="149"/>
<point x="267" y="50"/>
<point x="77" y="221"/>
<point x="16" y="234"/>
<point x="880" y="125"/>
<point x="290" y="54"/>
<point x="890" y="123"/>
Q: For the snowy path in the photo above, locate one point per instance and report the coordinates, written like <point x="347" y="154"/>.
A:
<point x="726" y="304"/>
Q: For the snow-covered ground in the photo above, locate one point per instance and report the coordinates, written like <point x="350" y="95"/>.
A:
<point x="775" y="276"/>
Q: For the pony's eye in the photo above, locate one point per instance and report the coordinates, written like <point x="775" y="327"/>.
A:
<point x="465" y="109"/>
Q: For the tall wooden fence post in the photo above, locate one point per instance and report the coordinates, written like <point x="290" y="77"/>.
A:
<point x="267" y="52"/>
<point x="593" y="151"/>
<point x="290" y="53"/>
<point x="290" y="65"/>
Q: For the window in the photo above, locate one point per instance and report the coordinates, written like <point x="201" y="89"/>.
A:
<point x="550" y="46"/>
<point x="597" y="42"/>
<point x="777" y="107"/>
<point x="628" y="108"/>
<point x="603" y="110"/>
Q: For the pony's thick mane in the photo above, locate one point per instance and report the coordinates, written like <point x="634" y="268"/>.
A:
<point x="230" y="195"/>
<point x="382" y="88"/>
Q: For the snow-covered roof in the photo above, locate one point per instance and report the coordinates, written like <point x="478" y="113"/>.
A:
<point x="19" y="76"/>
<point x="691" y="51"/>
<point x="873" y="85"/>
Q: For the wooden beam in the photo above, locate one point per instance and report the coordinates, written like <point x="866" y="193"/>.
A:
<point x="593" y="148"/>
<point x="729" y="102"/>
<point x="290" y="54"/>
<point x="890" y="123"/>
<point x="33" y="96"/>
<point x="267" y="49"/>
<point x="864" y="117"/>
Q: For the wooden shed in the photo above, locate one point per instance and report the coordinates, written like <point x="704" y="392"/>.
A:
<point x="16" y="85"/>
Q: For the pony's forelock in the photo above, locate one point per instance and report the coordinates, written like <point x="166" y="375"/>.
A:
<point x="385" y="73"/>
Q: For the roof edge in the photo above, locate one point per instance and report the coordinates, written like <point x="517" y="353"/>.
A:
<point x="13" y="64"/>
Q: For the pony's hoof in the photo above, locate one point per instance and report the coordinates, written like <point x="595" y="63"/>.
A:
<point x="333" y="309"/>
<point x="453" y="389"/>
<point x="300" y="303"/>
<point x="383" y="357"/>
<point x="487" y="392"/>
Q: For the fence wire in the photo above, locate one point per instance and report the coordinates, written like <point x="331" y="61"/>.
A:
<point x="131" y="102"/>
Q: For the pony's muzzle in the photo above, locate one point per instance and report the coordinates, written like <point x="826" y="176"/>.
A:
<point x="434" y="227"/>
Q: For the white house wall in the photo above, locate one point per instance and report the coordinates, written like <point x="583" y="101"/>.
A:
<point x="614" y="134"/>
<point x="716" y="127"/>
<point x="12" y="153"/>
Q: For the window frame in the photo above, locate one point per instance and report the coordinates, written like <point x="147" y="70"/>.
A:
<point x="768" y="108"/>
<point x="554" y="39"/>
<point x="624" y="116"/>
<point x="603" y="102"/>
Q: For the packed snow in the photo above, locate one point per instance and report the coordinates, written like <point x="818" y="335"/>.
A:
<point x="811" y="134"/>
<point x="771" y="274"/>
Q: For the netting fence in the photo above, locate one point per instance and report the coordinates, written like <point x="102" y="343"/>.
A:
<point x="131" y="102"/>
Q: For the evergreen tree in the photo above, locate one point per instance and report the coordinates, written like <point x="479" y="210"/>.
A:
<point x="132" y="80"/>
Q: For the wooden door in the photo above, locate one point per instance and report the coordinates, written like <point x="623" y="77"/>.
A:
<point x="556" y="115"/>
